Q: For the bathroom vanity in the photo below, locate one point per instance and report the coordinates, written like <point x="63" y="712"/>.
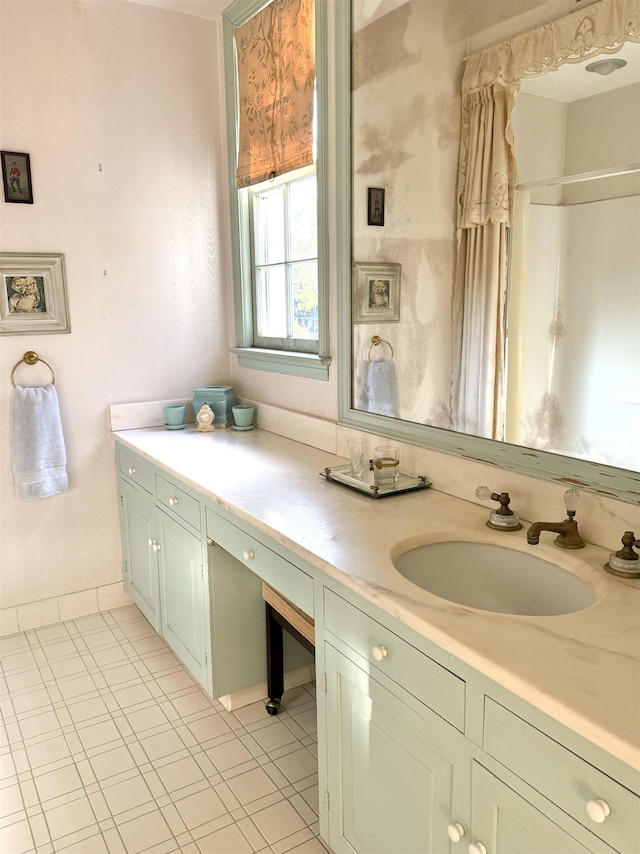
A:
<point x="441" y="728"/>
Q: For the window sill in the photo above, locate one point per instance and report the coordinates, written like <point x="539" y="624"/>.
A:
<point x="280" y="362"/>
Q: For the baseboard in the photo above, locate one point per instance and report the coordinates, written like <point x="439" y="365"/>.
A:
<point x="46" y="612"/>
<point x="258" y="692"/>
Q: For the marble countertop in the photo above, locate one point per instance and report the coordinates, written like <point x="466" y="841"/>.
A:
<point x="582" y="669"/>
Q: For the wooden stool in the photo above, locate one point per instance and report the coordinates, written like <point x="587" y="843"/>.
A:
<point x="282" y="614"/>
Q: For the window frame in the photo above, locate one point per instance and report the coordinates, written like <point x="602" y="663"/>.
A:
<point x="291" y="362"/>
<point x="296" y="345"/>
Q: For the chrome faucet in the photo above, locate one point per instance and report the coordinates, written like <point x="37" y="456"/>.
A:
<point x="567" y="531"/>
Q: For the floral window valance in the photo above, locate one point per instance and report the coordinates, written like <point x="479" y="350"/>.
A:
<point x="276" y="78"/>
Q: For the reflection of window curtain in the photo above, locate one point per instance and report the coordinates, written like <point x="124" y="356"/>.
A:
<point x="276" y="75"/>
<point x="487" y="181"/>
<point x="485" y="193"/>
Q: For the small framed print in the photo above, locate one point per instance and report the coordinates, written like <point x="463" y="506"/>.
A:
<point x="375" y="206"/>
<point x="16" y="177"/>
<point x="33" y="297"/>
<point x="377" y="293"/>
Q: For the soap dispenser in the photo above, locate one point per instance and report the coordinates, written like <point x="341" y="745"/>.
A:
<point x="625" y="562"/>
<point x="502" y="519"/>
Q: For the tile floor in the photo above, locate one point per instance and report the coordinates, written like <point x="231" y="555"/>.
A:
<point x="108" y="745"/>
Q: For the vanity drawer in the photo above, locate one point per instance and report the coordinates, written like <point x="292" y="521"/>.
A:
<point x="178" y="501"/>
<point x="562" y="777"/>
<point x="432" y="684"/>
<point x="136" y="469"/>
<point x="294" y="584"/>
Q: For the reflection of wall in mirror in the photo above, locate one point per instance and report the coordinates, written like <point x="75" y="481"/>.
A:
<point x="407" y="70"/>
<point x="575" y="390"/>
<point x="406" y="139"/>
<point x="579" y="346"/>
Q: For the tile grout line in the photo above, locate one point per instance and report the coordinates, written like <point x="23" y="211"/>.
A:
<point x="82" y="686"/>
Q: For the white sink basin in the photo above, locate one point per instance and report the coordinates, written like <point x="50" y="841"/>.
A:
<point x="493" y="578"/>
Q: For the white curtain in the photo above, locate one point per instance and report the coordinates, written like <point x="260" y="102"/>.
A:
<point x="485" y="201"/>
<point x="487" y="180"/>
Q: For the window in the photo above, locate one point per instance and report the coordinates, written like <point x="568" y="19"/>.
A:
<point x="278" y="225"/>
<point x="285" y="262"/>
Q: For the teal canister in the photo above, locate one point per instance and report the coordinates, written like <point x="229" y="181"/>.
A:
<point x="221" y="399"/>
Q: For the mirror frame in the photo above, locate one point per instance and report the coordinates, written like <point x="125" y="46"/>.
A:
<point x="594" y="477"/>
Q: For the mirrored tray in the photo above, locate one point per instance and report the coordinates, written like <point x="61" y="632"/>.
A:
<point x="405" y="482"/>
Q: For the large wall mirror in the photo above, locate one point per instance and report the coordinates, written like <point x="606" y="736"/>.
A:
<point x="494" y="259"/>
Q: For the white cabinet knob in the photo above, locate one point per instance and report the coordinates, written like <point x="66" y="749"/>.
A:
<point x="151" y="542"/>
<point x="598" y="810"/>
<point x="477" y="848"/>
<point x="247" y="554"/>
<point x="455" y="832"/>
<point x="173" y="502"/>
<point x="131" y="470"/>
<point x="379" y="652"/>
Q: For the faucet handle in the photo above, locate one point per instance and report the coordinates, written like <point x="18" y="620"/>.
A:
<point x="625" y="562"/>
<point x="502" y="519"/>
<point x="484" y="493"/>
<point x="628" y="542"/>
<point x="572" y="499"/>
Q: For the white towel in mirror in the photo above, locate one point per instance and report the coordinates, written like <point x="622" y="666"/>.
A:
<point x="381" y="388"/>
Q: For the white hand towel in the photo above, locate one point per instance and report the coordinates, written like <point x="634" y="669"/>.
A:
<point x="381" y="388"/>
<point x="38" y="454"/>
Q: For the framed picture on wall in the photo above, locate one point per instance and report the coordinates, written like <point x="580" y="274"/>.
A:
<point x="33" y="297"/>
<point x="375" y="206"/>
<point x="376" y="293"/>
<point x="16" y="177"/>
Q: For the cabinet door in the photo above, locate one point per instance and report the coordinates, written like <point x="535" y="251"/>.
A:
<point x="237" y="624"/>
<point x="390" y="773"/>
<point x="505" y="823"/>
<point x="183" y="596"/>
<point x="140" y="555"/>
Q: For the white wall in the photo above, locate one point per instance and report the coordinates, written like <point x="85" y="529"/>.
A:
<point x="540" y="127"/>
<point x="603" y="131"/>
<point x="137" y="90"/>
<point x="600" y="394"/>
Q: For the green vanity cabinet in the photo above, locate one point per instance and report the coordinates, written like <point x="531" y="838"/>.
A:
<point x="503" y="822"/>
<point x="183" y="595"/>
<point x="238" y="630"/>
<point x="264" y="558"/>
<point x="395" y="782"/>
<point x="396" y="774"/>
<point x="423" y="754"/>
<point x="164" y="560"/>
<point x="140" y="560"/>
<point x="417" y="751"/>
<point x="240" y="560"/>
<point x="198" y="578"/>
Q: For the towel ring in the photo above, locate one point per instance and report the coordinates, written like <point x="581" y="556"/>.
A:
<point x="374" y="343"/>
<point x="32" y="358"/>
